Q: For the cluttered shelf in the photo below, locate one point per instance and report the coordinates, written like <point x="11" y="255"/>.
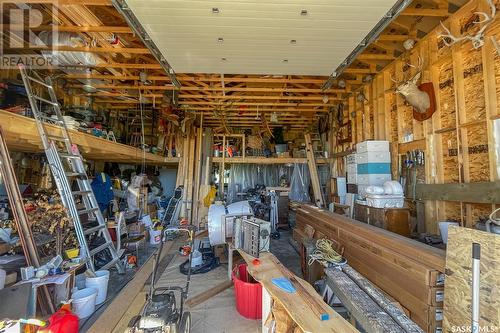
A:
<point x="266" y="160"/>
<point x="21" y="134"/>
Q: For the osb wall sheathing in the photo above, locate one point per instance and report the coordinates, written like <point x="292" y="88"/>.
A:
<point x="458" y="140"/>
<point x="458" y="291"/>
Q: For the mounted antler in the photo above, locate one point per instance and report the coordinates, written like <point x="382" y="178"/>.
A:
<point x="417" y="98"/>
<point x="478" y="39"/>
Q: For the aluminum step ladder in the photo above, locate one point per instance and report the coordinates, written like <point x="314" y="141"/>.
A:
<point x="69" y="173"/>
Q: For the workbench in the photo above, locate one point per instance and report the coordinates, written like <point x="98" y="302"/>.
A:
<point x="21" y="134"/>
<point x="302" y="306"/>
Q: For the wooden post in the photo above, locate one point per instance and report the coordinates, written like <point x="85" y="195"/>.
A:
<point x="313" y="170"/>
<point x="197" y="174"/>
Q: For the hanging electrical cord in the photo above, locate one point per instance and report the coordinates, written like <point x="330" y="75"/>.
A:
<point x="325" y="254"/>
<point x="143" y="140"/>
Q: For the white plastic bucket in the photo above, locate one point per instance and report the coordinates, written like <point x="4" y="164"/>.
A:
<point x="154" y="236"/>
<point x="443" y="229"/>
<point x="100" y="283"/>
<point x="84" y="302"/>
<point x="3" y="274"/>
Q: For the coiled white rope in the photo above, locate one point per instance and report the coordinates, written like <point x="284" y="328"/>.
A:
<point x="325" y="254"/>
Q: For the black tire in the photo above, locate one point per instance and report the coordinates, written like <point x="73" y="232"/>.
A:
<point x="185" y="324"/>
<point x="132" y="324"/>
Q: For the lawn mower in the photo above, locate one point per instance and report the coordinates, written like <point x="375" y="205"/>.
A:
<point x="162" y="314"/>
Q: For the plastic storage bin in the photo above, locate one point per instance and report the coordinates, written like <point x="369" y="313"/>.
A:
<point x="372" y="145"/>
<point x="373" y="179"/>
<point x="373" y="157"/>
<point x="248" y="294"/>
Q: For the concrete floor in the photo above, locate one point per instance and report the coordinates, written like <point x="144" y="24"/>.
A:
<point x="219" y="314"/>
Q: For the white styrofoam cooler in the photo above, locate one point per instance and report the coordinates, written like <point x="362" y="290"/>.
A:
<point x="352" y="178"/>
<point x="373" y="179"/>
<point x="372" y="145"/>
<point x="373" y="157"/>
<point x="385" y="201"/>
<point x="352" y="169"/>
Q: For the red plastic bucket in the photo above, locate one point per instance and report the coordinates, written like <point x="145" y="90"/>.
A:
<point x="248" y="294"/>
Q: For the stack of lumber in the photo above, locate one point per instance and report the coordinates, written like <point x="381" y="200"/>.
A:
<point x="408" y="271"/>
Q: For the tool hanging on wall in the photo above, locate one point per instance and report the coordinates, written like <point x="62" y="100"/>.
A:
<point x="68" y="169"/>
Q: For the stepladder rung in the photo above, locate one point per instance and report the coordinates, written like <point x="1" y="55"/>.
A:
<point x="75" y="174"/>
<point x="41" y="99"/>
<point x="31" y="78"/>
<point x="92" y="230"/>
<point x="54" y="120"/>
<point x="101" y="247"/>
<point x="75" y="193"/>
<point x="65" y="155"/>
<point x="87" y="211"/>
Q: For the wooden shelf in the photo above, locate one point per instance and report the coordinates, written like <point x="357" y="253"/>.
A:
<point x="265" y="160"/>
<point x="22" y="135"/>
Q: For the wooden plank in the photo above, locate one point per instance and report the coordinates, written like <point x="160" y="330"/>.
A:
<point x="313" y="171"/>
<point x="206" y="295"/>
<point x="432" y="257"/>
<point x="296" y="307"/>
<point x="481" y="192"/>
<point x="368" y="314"/>
<point x="458" y="291"/>
<point x="119" y="306"/>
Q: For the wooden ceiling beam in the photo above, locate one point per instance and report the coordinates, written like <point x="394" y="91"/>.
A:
<point x="227" y="89"/>
<point x="184" y="78"/>
<point x="219" y="97"/>
<point x="71" y="28"/>
<point x="440" y="12"/>
<point x="374" y="56"/>
<point x="191" y="105"/>
<point x="132" y="50"/>
<point x="393" y="38"/>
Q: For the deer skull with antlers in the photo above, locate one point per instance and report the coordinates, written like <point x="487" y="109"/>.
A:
<point x="477" y="39"/>
<point x="417" y="98"/>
